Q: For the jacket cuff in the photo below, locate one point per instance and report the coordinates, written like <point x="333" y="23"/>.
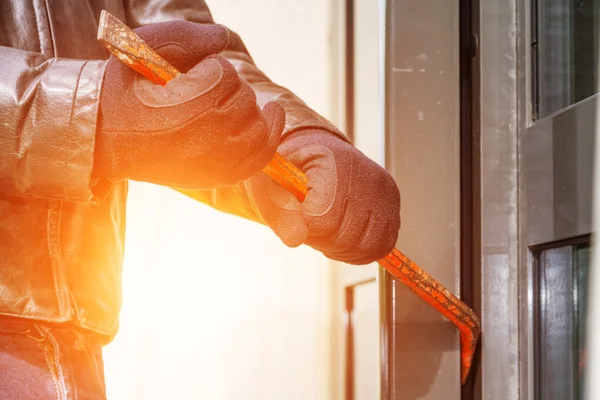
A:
<point x="71" y="126"/>
<point x="298" y="116"/>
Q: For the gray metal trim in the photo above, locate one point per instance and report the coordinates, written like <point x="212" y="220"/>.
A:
<point x="525" y="112"/>
<point x="501" y="77"/>
<point x="420" y="353"/>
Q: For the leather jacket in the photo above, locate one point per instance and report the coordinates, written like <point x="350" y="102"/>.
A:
<point x="61" y="232"/>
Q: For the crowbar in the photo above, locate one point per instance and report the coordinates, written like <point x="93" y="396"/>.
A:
<point x="130" y="49"/>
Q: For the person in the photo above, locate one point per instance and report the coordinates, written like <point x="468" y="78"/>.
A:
<point x="76" y="125"/>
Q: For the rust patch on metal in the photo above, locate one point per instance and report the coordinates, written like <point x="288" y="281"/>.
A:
<point x="440" y="298"/>
<point x="130" y="49"/>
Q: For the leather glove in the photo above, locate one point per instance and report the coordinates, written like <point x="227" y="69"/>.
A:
<point x="202" y="129"/>
<point x="352" y="210"/>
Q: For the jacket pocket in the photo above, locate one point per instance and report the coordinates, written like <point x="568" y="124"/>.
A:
<point x="27" y="276"/>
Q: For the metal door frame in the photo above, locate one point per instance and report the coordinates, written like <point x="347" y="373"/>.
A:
<point x="420" y="348"/>
<point x="498" y="376"/>
<point x="521" y="205"/>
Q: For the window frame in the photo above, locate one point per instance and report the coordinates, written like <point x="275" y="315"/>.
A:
<point x="535" y="187"/>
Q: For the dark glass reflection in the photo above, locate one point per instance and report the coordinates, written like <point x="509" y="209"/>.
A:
<point x="565" y="49"/>
<point x="561" y="315"/>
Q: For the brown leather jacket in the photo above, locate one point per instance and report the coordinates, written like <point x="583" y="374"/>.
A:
<point x="61" y="233"/>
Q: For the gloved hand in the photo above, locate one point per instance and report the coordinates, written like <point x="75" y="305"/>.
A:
<point x="352" y="210"/>
<point x="202" y="130"/>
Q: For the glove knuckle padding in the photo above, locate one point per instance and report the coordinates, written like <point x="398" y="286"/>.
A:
<point x="349" y="234"/>
<point x="200" y="80"/>
<point x="322" y="207"/>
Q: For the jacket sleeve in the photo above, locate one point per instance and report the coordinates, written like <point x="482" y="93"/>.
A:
<point x="49" y="111"/>
<point x="299" y="116"/>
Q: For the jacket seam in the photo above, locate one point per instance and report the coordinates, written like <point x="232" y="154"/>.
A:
<point x="50" y="30"/>
<point x="92" y="361"/>
<point x="55" y="252"/>
<point x="68" y="147"/>
<point x="38" y="27"/>
<point x="52" y="360"/>
<point x="38" y="318"/>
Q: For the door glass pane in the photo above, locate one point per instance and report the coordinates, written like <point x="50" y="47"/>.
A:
<point x="561" y="298"/>
<point x="564" y="45"/>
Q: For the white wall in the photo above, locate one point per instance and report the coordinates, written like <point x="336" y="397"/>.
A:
<point x="216" y="307"/>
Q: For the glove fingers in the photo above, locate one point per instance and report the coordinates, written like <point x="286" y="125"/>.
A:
<point x="279" y="209"/>
<point x="378" y="240"/>
<point x="349" y="234"/>
<point x="188" y="42"/>
<point x="268" y="131"/>
<point x="255" y="141"/>
<point x="275" y="116"/>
